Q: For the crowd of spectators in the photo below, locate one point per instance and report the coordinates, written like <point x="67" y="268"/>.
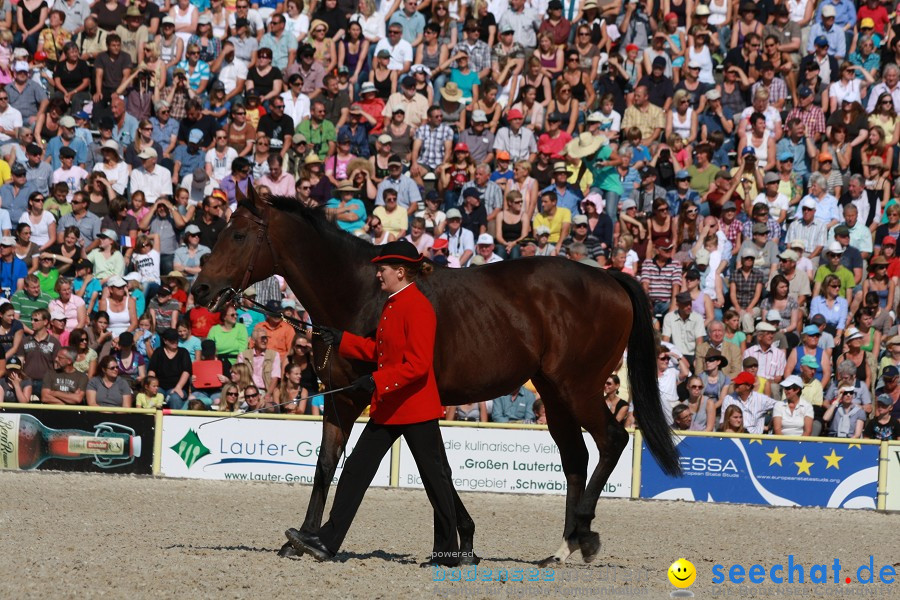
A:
<point x="737" y="158"/>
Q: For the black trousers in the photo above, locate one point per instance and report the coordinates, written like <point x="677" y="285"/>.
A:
<point x="427" y="447"/>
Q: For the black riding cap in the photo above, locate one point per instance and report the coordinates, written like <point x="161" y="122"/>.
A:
<point x="399" y="252"/>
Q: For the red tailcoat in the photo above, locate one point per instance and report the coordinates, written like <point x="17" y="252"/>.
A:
<point x="403" y="352"/>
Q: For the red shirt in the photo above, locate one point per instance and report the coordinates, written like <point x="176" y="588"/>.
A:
<point x="403" y="353"/>
<point x="202" y="320"/>
<point x="879" y="15"/>
<point x="374" y="108"/>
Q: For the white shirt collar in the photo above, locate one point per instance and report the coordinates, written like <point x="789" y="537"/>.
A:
<point x="401" y="289"/>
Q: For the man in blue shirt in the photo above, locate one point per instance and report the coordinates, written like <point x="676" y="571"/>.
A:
<point x="14" y="193"/>
<point x="798" y="145"/>
<point x="832" y="33"/>
<point x="66" y="138"/>
<point x="844" y="13"/>
<point x="682" y="193"/>
<point x="517" y="406"/>
<point x="13" y="269"/>
<point x="569" y="196"/>
<point x="413" y="22"/>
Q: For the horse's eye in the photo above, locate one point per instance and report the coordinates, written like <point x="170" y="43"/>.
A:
<point x="239" y="237"/>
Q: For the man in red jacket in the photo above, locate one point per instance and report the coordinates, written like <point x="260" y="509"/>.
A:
<point x="405" y="402"/>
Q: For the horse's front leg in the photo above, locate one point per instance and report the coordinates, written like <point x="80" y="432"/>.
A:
<point x="335" y="433"/>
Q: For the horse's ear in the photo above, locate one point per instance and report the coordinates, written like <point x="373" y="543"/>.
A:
<point x="239" y="193"/>
<point x="252" y="196"/>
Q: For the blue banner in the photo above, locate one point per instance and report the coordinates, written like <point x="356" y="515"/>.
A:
<point x="768" y="471"/>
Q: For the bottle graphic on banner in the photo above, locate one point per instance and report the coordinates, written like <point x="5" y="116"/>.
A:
<point x="25" y="443"/>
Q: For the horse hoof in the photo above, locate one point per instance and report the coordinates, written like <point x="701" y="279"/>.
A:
<point x="469" y="558"/>
<point x="590" y="546"/>
<point x="288" y="551"/>
<point x="550" y="562"/>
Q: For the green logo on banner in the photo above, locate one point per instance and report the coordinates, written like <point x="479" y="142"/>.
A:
<point x="190" y="448"/>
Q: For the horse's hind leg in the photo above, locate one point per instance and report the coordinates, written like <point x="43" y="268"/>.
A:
<point x="574" y="456"/>
<point x="611" y="439"/>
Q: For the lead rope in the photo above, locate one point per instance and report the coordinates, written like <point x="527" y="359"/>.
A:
<point x="300" y="327"/>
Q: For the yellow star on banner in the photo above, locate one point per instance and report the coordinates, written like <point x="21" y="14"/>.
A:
<point x="756" y="441"/>
<point x="775" y="457"/>
<point x="857" y="446"/>
<point x="803" y="466"/>
<point x="833" y="460"/>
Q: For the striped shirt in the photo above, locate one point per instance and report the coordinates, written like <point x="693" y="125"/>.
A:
<point x="771" y="362"/>
<point x="774" y="230"/>
<point x="661" y="279"/>
<point x="433" y="140"/>
<point x="754" y="409"/>
<point x="812" y="234"/>
<point x="812" y="118"/>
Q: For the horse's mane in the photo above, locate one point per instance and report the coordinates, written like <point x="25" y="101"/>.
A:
<point x="316" y="217"/>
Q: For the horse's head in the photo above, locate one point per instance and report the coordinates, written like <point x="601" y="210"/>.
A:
<point x="242" y="255"/>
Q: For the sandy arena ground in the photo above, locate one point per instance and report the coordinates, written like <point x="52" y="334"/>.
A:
<point x="86" y="536"/>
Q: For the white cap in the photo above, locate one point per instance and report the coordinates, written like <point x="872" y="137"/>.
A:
<point x="835" y="248"/>
<point x="764" y="326"/>
<point x="485" y="239"/>
<point x="454" y="213"/>
<point x="133" y="276"/>
<point x="595" y="117"/>
<point x="852" y="333"/>
<point x="773" y="315"/>
<point x="792" y="381"/>
<point x="57" y="315"/>
<point x="542" y="230"/>
<point x="807" y="203"/>
<point x="115" y="281"/>
<point x="146" y="153"/>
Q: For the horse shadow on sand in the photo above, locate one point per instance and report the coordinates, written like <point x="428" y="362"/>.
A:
<point x="341" y="556"/>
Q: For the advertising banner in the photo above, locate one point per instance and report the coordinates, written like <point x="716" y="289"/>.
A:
<point x="767" y="471"/>
<point x="521" y="461"/>
<point x="57" y="440"/>
<point x="892" y="485"/>
<point x="283" y="451"/>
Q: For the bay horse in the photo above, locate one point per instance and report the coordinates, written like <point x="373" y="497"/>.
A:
<point x="561" y="324"/>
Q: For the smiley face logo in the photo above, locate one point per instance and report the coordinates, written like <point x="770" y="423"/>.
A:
<point x="682" y="573"/>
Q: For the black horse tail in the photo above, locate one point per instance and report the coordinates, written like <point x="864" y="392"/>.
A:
<point x="642" y="378"/>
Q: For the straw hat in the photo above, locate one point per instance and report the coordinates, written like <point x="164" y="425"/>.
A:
<point x="451" y="92"/>
<point x="179" y="276"/>
<point x="346" y="186"/>
<point x="318" y="23"/>
<point x="584" y="145"/>
<point x="878" y="260"/>
<point x="360" y="163"/>
<point x="312" y="158"/>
